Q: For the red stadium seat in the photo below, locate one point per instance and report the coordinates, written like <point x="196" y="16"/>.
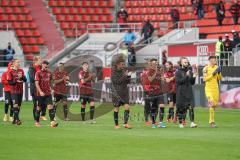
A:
<point x="52" y="3"/>
<point x="4" y="3"/>
<point x="31" y="41"/>
<point x="25" y="25"/>
<point x="29" y="57"/>
<point x="98" y="11"/>
<point x="56" y="10"/>
<point x="77" y="4"/>
<point x="21" y="18"/>
<point x="8" y="10"/>
<point x="85" y="18"/>
<point x="26" y="49"/>
<point x="68" y="33"/>
<point x="60" y="3"/>
<point x="94" y="18"/>
<point x="64" y="25"/>
<point x="35" y="49"/>
<point x="93" y="3"/>
<point x="106" y="11"/>
<point x="90" y="11"/>
<point x="36" y="33"/>
<point x="72" y="25"/>
<point x="60" y="18"/>
<point x="64" y="10"/>
<point x="23" y="40"/>
<point x="81" y="11"/>
<point x="102" y="4"/>
<point x="40" y="41"/>
<point x="3" y="17"/>
<point x="17" y="10"/>
<point x="69" y="3"/>
<point x="13" y="3"/>
<point x="73" y="11"/>
<point x="1" y="10"/>
<point x="16" y="25"/>
<point x="21" y="3"/>
<point x="19" y="33"/>
<point x="76" y="18"/>
<point x="29" y="18"/>
<point x="85" y="3"/>
<point x="27" y="33"/>
<point x="32" y="25"/>
<point x="12" y="18"/>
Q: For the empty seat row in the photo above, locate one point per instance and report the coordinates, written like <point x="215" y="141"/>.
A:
<point x="152" y="3"/>
<point x="84" y="18"/>
<point x="155" y="10"/>
<point x="31" y="41"/>
<point x="12" y="17"/>
<point x="74" y="33"/>
<point x="14" y="10"/>
<point x="72" y="25"/>
<point x="83" y="3"/>
<point x="140" y="18"/>
<point x="18" y="25"/>
<point x="30" y="49"/>
<point x="64" y="10"/>
<point x="28" y="33"/>
<point x="12" y="3"/>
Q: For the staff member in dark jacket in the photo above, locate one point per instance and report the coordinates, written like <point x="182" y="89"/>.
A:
<point x="175" y="18"/>
<point x="147" y="31"/>
<point x="120" y="78"/>
<point x="220" y="11"/>
<point x="235" y="11"/>
<point x="185" y="78"/>
<point x="36" y="66"/>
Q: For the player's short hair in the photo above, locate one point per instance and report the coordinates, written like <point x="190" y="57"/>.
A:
<point x="180" y="60"/>
<point x="118" y="58"/>
<point x="153" y="59"/>
<point x="84" y="63"/>
<point x="212" y="57"/>
<point x="45" y="62"/>
<point x="36" y="58"/>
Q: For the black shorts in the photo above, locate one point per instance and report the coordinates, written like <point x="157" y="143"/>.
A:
<point x="44" y="100"/>
<point x="17" y="99"/>
<point x="171" y="97"/>
<point x="151" y="102"/>
<point x="161" y="99"/>
<point x="84" y="99"/>
<point x="8" y="98"/>
<point x="119" y="103"/>
<point x="60" y="97"/>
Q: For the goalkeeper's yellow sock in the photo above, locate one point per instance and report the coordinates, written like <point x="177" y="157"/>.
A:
<point x="211" y="115"/>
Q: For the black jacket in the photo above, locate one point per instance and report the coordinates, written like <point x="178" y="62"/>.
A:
<point x="32" y="72"/>
<point x="147" y="30"/>
<point x="119" y="82"/>
<point x="220" y="12"/>
<point x="184" y="92"/>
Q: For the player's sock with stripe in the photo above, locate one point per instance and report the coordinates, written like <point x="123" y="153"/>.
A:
<point x="161" y="114"/>
<point x="171" y="113"/>
<point x="65" y="110"/>
<point x="51" y="114"/>
<point x="16" y="114"/>
<point x="191" y="114"/>
<point x="11" y="110"/>
<point x="126" y="116"/>
<point x="115" y="116"/>
<point x="211" y="115"/>
<point x="83" y="114"/>
<point x="37" y="115"/>
<point x="180" y="117"/>
<point x="92" y="108"/>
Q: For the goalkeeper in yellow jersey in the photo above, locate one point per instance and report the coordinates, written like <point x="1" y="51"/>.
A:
<point x="211" y="76"/>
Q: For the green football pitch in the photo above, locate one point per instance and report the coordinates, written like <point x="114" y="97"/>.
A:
<point x="78" y="141"/>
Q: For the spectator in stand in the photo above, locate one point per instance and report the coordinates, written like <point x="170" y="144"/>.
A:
<point x="235" y="11"/>
<point x="236" y="39"/>
<point x="8" y="54"/>
<point x="227" y="49"/>
<point x="131" y="55"/>
<point x="200" y="9"/>
<point x="129" y="37"/>
<point x="194" y="6"/>
<point x="122" y="16"/>
<point x="147" y="31"/>
<point x="175" y="18"/>
<point x="220" y="11"/>
<point x="219" y="48"/>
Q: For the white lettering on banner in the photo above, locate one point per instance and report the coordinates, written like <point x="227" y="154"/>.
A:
<point x="202" y="50"/>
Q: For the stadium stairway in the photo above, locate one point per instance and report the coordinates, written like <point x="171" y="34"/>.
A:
<point x="46" y="26"/>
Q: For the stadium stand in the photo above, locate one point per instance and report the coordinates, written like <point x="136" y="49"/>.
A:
<point x="159" y="13"/>
<point x="73" y="16"/>
<point x="15" y="15"/>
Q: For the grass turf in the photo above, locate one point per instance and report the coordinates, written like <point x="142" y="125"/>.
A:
<point x="78" y="141"/>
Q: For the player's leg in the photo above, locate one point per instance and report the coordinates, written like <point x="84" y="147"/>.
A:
<point x="191" y="115"/>
<point x="6" y="106"/>
<point x="11" y="108"/>
<point x="180" y="112"/>
<point x="212" y="107"/>
<point x="115" y="114"/>
<point x="147" y="111"/>
<point x="43" y="113"/>
<point x="16" y="109"/>
<point x="40" y="101"/>
<point x="154" y="107"/>
<point x="92" y="109"/>
<point x="57" y="101"/>
<point x="161" y="112"/>
<point x="83" y="107"/>
<point x="65" y="107"/>
<point x="51" y="111"/>
<point x="126" y="116"/>
<point x="171" y="107"/>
